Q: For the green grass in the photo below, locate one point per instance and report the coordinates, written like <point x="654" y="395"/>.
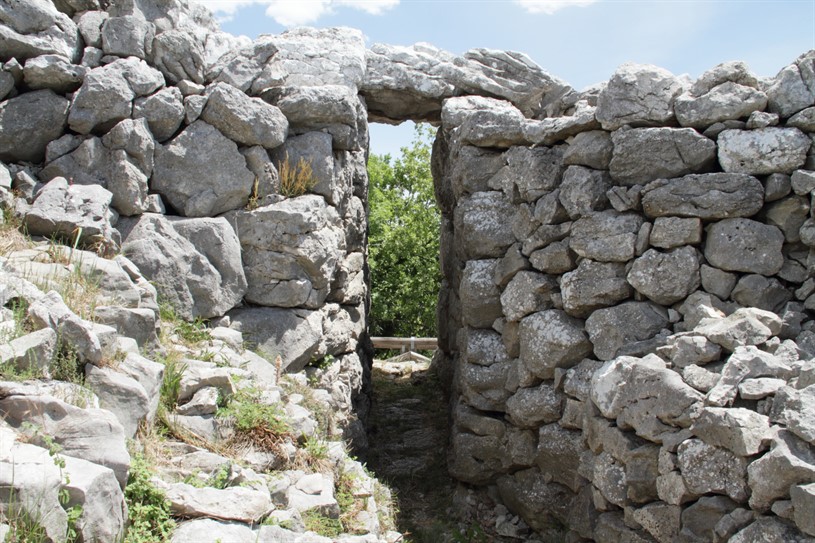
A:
<point x="148" y="508"/>
<point x="263" y="425"/>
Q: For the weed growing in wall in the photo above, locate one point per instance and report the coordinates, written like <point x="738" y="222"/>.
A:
<point x="295" y="179"/>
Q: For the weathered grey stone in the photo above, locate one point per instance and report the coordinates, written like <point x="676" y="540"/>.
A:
<point x="700" y="378"/>
<point x="735" y="71"/>
<point x="248" y="121"/>
<point x="661" y="520"/>
<point x="770" y="530"/>
<point x="30" y="352"/>
<point x="644" y="154"/>
<point x="558" y="455"/>
<point x="202" y="529"/>
<point x="670" y="232"/>
<point x="699" y="520"/>
<point x="203" y="282"/>
<point x="485" y="387"/>
<point x="592" y="149"/>
<point x="745" y="245"/>
<point x="803" y="501"/>
<point x="179" y="56"/>
<point x="127" y="36"/>
<point x="745" y="362"/>
<point x="483" y="347"/>
<point x="531" y="407"/>
<point x="759" y="388"/>
<point x="163" y="110"/>
<point x="537" y="501"/>
<point x="615" y="327"/>
<point x="593" y="285"/>
<point x="583" y="191"/>
<point x="190" y="172"/>
<point x="481" y="220"/>
<point x="686" y="350"/>
<point x="314" y="149"/>
<point x="776" y="186"/>
<point x="37" y="28"/>
<point x="53" y="72"/>
<point x="666" y="278"/>
<point x="707" y="468"/>
<point x="31" y="482"/>
<point x="95" y="489"/>
<point x="761" y="292"/>
<point x="555" y="258"/>
<point x="788" y="214"/>
<point x="480" y="298"/>
<point x="793" y="89"/>
<point x="90" y="434"/>
<point x="235" y="503"/>
<point x="527" y="293"/>
<point x="609" y="478"/>
<point x="789" y="462"/>
<point x="795" y="409"/>
<point x="121" y="395"/>
<point x="739" y="430"/>
<point x="551" y="339"/>
<point x="499" y="128"/>
<point x="761" y="119"/>
<point x="529" y="173"/>
<point x="639" y="95"/>
<point x="291" y="250"/>
<point x="707" y="196"/>
<point x="763" y="151"/>
<point x="28" y="123"/>
<point x="74" y="213"/>
<point x="136" y="323"/>
<point x="552" y="130"/>
<point x="803" y="120"/>
<point x="474" y="168"/>
<point x="107" y="93"/>
<point x="293" y="333"/>
<point x="726" y="101"/>
<point x="607" y="236"/>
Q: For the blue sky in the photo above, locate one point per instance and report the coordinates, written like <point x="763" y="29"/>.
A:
<point x="579" y="41"/>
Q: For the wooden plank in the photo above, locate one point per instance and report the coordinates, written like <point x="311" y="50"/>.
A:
<point x="405" y="343"/>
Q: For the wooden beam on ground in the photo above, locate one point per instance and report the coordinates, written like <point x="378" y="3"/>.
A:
<point x="405" y="343"/>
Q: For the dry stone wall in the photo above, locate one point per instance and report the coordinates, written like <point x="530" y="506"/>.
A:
<point x="625" y="320"/>
<point x="626" y="311"/>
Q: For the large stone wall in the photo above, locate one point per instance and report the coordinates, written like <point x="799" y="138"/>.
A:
<point x="628" y="286"/>
<point x="626" y="312"/>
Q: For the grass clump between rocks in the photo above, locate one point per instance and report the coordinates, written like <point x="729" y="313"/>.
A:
<point x="148" y="508"/>
<point x="295" y="179"/>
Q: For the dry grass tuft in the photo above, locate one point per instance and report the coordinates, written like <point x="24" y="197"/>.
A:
<point x="297" y="179"/>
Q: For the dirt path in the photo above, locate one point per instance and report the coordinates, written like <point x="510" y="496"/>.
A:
<point x="408" y="445"/>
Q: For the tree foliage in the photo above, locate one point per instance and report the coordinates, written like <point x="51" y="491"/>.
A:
<point x="404" y="241"/>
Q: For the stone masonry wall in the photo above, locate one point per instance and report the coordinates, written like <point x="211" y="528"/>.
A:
<point x="625" y="321"/>
<point x="626" y="313"/>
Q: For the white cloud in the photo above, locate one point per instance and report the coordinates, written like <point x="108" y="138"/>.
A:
<point x="297" y="12"/>
<point x="549" y="7"/>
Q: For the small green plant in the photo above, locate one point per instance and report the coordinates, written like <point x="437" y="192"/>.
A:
<point x="262" y="425"/>
<point x="66" y="365"/>
<point x="171" y="385"/>
<point x="320" y="524"/>
<point x="148" y="508"/>
<point x="297" y="179"/>
<point x="219" y="479"/>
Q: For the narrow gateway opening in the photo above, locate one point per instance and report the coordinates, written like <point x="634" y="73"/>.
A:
<point x="408" y="423"/>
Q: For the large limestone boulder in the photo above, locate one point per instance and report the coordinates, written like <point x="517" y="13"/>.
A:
<point x="745" y="245"/>
<point x="638" y="95"/>
<point x="179" y="56"/>
<point x="763" y="151"/>
<point x="583" y="191"/>
<point x="666" y="277"/>
<point x="29" y="122"/>
<point x="481" y="220"/>
<point x="644" y="154"/>
<point x="607" y="236"/>
<point x="201" y="172"/>
<point x="294" y="334"/>
<point x="707" y="468"/>
<point x="95" y="489"/>
<point x="247" y="121"/>
<point x="593" y="285"/>
<point x="551" y="339"/>
<point x="107" y="93"/>
<point x="291" y="250"/>
<point x="615" y="327"/>
<point x="726" y="101"/>
<point x="707" y="196"/>
<point x="480" y="297"/>
<point x="794" y="87"/>
<point x="194" y="263"/>
<point x="243" y="504"/>
<point x="74" y="213"/>
<point x="90" y="434"/>
<point x="35" y="28"/>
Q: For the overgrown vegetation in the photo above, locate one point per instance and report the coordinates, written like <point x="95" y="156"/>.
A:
<point x="404" y="241"/>
<point x="148" y="508"/>
<point x="259" y="424"/>
<point x="295" y="179"/>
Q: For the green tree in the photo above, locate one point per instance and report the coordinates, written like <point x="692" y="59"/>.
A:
<point x="404" y="241"/>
